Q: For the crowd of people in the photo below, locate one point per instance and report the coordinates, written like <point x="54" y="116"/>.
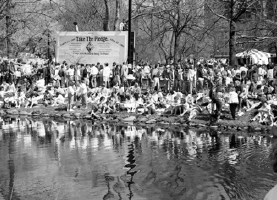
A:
<point x="184" y="89"/>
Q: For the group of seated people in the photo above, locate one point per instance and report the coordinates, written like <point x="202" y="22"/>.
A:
<point x="103" y="100"/>
<point x="131" y="99"/>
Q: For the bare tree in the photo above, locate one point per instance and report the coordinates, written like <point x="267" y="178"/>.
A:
<point x="106" y="17"/>
<point x="251" y="22"/>
<point x="171" y="25"/>
<point x="117" y="15"/>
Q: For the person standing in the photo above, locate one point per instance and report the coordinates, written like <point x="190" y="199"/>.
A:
<point x="200" y="74"/>
<point x="156" y="77"/>
<point x="100" y="75"/>
<point x="213" y="94"/>
<point x="116" y="75"/>
<point x="70" y="94"/>
<point x="233" y="102"/>
<point x="17" y="74"/>
<point x="70" y="72"/>
<point x="94" y="72"/>
<point x="84" y="71"/>
<point x="191" y="78"/>
<point x="124" y="75"/>
<point x="147" y="75"/>
<point x="179" y="79"/>
<point x="61" y="74"/>
<point x="77" y="73"/>
<point x="166" y="77"/>
<point x="171" y="77"/>
<point x="106" y="75"/>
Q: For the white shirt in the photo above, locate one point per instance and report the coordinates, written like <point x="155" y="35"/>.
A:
<point x="228" y="80"/>
<point x="233" y="97"/>
<point x="82" y="89"/>
<point x="27" y="69"/>
<point x="146" y="69"/>
<point x="261" y="71"/>
<point x="40" y="83"/>
<point x="94" y="70"/>
<point x="270" y="74"/>
<point x="106" y="71"/>
<point x="124" y="71"/>
<point x="17" y="73"/>
<point x="78" y="73"/>
<point x="70" y="72"/>
<point x="70" y="90"/>
<point x="56" y="73"/>
<point x="243" y="69"/>
<point x="191" y="74"/>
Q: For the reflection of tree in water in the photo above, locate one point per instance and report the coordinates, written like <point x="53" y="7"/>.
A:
<point x="11" y="139"/>
<point x="109" y="194"/>
<point x="131" y="165"/>
<point x="182" y="146"/>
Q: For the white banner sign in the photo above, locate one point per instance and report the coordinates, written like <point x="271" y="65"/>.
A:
<point x="92" y="47"/>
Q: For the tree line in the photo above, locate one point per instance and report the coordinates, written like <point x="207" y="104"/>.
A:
<point x="165" y="30"/>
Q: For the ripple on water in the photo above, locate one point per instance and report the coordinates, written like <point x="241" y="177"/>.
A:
<point x="112" y="162"/>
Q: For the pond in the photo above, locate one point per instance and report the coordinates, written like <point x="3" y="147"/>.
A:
<point x="52" y="159"/>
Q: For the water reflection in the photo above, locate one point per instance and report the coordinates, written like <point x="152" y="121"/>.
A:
<point x="47" y="159"/>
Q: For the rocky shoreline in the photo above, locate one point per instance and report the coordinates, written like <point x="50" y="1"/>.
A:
<point x="202" y="120"/>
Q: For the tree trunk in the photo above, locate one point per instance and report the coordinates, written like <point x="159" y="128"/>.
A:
<point x="232" y="44"/>
<point x="171" y="50"/>
<point x="107" y="16"/>
<point x="117" y="15"/>
<point x="176" y="31"/>
<point x="8" y="21"/>
<point x="232" y="41"/>
<point x="176" y="47"/>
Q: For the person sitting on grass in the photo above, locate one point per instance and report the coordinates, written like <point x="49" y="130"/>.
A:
<point x="9" y="101"/>
<point x="20" y="100"/>
<point x="48" y="98"/>
<point x="109" y="107"/>
<point x="33" y="100"/>
<point x="174" y="107"/>
<point x="82" y="93"/>
<point x="98" y="108"/>
<point x="58" y="99"/>
<point x="161" y="104"/>
<point x="263" y="112"/>
<point x="149" y="107"/>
